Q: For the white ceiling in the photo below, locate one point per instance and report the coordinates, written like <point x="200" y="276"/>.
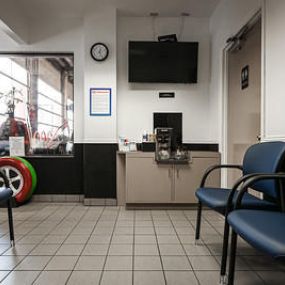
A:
<point x="78" y="8"/>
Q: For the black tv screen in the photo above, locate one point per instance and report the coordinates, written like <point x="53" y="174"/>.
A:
<point x="163" y="62"/>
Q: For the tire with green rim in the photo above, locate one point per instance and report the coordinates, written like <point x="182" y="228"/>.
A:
<point x="33" y="174"/>
<point x="19" y="177"/>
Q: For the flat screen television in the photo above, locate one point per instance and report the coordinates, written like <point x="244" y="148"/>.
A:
<point x="163" y="62"/>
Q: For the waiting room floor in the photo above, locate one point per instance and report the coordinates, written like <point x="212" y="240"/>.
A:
<point x="75" y="244"/>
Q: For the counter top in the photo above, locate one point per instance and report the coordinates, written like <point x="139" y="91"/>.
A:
<point x="193" y="154"/>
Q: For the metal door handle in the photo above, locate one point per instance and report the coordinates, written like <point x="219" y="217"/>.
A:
<point x="169" y="172"/>
<point x="177" y="171"/>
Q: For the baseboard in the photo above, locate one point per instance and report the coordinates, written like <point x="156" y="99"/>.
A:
<point x="99" y="202"/>
<point x="161" y="206"/>
<point x="58" y="198"/>
<point x="74" y="199"/>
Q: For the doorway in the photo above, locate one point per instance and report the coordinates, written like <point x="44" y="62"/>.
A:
<point x="244" y="94"/>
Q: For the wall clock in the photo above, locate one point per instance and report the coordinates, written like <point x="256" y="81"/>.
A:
<point x="99" y="51"/>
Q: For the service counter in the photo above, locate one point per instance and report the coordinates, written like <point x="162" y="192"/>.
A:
<point x="141" y="180"/>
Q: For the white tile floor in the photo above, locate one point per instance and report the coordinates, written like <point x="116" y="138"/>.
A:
<point x="76" y="244"/>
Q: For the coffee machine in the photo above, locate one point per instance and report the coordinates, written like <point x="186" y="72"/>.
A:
<point x="163" y="143"/>
<point x="163" y="149"/>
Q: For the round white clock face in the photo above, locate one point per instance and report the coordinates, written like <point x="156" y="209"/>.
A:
<point x="99" y="51"/>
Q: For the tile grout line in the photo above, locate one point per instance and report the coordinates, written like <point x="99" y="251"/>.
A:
<point x="66" y="215"/>
<point x="183" y="245"/>
<point x="260" y="277"/>
<point x="88" y="209"/>
<point x="108" y="250"/>
<point x="158" y="247"/>
<point x="209" y="222"/>
<point x="134" y="244"/>
<point x="17" y="221"/>
<point x="33" y="228"/>
<point x="57" y="208"/>
<point x="216" y="256"/>
<point x="204" y="244"/>
<point x="44" y="220"/>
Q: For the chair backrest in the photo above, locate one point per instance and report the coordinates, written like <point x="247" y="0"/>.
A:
<point x="267" y="157"/>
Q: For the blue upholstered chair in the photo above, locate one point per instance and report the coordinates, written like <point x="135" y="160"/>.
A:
<point x="5" y="196"/>
<point x="260" y="158"/>
<point x="264" y="230"/>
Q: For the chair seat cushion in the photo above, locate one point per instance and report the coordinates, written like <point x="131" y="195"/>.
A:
<point x="264" y="230"/>
<point x="5" y="194"/>
<point x="216" y="198"/>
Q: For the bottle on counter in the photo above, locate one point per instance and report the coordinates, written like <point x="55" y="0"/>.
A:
<point x="144" y="136"/>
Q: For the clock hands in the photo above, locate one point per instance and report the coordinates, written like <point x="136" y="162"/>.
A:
<point x="99" y="51"/>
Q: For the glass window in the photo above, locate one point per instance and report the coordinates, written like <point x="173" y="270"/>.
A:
<point x="49" y="91"/>
<point x="37" y="92"/>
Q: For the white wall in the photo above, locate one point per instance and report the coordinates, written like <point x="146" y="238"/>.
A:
<point x="77" y="35"/>
<point x="100" y="27"/>
<point x="274" y="126"/>
<point x="137" y="102"/>
<point x="228" y="18"/>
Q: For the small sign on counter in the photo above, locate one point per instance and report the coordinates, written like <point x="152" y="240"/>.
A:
<point x="17" y="146"/>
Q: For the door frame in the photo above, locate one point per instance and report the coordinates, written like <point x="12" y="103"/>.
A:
<point x="259" y="14"/>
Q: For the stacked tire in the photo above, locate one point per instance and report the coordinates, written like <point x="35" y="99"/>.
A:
<point x="21" y="175"/>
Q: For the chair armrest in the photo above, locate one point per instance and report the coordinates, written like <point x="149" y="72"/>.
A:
<point x="5" y="179"/>
<point x="256" y="178"/>
<point x="218" y="166"/>
<point x="234" y="189"/>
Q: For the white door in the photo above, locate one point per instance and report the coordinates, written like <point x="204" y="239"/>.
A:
<point x="244" y="104"/>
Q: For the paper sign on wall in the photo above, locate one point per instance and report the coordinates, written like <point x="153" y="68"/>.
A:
<point x="100" y="102"/>
<point x="17" y="146"/>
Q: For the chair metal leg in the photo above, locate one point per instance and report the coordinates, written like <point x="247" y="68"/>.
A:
<point x="225" y="248"/>
<point x="11" y="226"/>
<point x="198" y="221"/>
<point x="232" y="259"/>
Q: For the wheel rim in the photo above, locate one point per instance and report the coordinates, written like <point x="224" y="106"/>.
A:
<point x="16" y="179"/>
